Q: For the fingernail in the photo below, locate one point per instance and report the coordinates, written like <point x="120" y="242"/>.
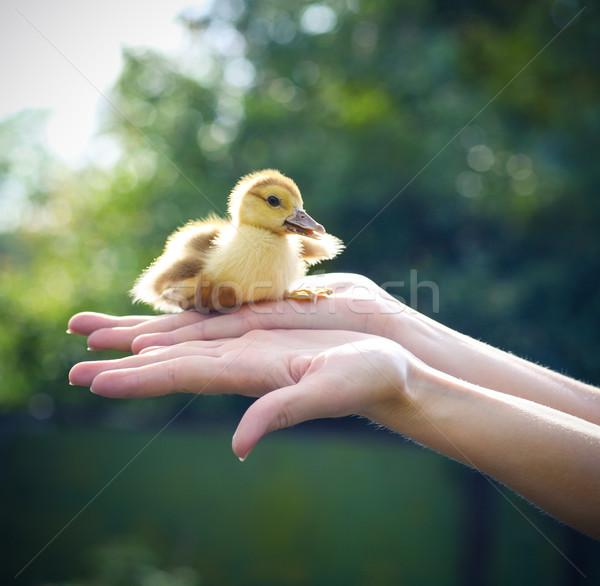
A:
<point x="242" y="459"/>
<point x="69" y="332"/>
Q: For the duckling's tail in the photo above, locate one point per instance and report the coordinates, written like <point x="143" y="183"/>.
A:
<point x="168" y="288"/>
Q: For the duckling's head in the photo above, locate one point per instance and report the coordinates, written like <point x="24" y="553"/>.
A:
<point x="268" y="199"/>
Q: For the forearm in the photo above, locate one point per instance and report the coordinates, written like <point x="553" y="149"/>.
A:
<point x="476" y="362"/>
<point x="547" y="456"/>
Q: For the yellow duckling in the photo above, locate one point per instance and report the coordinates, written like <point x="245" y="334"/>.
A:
<point x="266" y="245"/>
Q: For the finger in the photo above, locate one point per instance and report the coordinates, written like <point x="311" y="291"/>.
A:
<point x="86" y="322"/>
<point x="83" y="373"/>
<point x="157" y="378"/>
<point x="282" y="314"/>
<point x="189" y="373"/>
<point x="120" y="337"/>
<point x="310" y="399"/>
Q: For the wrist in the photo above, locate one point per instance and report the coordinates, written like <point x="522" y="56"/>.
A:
<point x="439" y="347"/>
<point x="402" y="400"/>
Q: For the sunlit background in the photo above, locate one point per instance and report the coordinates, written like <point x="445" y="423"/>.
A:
<point x="476" y="124"/>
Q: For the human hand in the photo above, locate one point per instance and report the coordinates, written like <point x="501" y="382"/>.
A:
<point x="297" y="375"/>
<point x="357" y="304"/>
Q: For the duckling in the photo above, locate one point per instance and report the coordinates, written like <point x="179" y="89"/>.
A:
<point x="266" y="244"/>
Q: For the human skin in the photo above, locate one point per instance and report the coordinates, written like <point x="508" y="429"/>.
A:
<point x="362" y="352"/>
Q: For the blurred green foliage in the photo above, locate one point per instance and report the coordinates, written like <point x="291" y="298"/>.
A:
<point x="185" y="512"/>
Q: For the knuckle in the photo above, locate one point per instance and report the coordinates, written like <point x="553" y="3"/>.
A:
<point x="283" y="419"/>
<point x="199" y="329"/>
<point x="171" y="372"/>
<point x="283" y="416"/>
<point x="174" y="371"/>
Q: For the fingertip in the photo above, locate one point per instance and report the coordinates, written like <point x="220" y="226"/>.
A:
<point x="94" y="341"/>
<point x="75" y="323"/>
<point x="254" y="425"/>
<point x="76" y="376"/>
<point x="138" y="343"/>
<point x="84" y="374"/>
<point x="109" y="383"/>
<point x="85" y="322"/>
<point x="145" y="342"/>
<point x="240" y="447"/>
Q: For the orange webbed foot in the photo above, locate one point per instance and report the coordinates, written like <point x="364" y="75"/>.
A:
<point x="309" y="294"/>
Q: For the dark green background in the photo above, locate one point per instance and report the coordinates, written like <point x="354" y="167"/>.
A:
<point x="476" y="124"/>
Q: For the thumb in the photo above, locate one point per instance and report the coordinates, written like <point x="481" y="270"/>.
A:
<point x="311" y="398"/>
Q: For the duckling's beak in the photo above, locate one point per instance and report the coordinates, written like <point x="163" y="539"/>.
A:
<point x="301" y="223"/>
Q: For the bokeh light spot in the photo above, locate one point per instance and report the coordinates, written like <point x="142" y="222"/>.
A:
<point x="41" y="406"/>
<point x="480" y="158"/>
<point x="519" y="167"/>
<point x="469" y="184"/>
<point x="318" y="19"/>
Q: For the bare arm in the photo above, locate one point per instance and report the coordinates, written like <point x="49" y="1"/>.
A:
<point x="476" y="362"/>
<point x="549" y="457"/>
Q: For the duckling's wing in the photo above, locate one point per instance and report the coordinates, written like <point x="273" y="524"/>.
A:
<point x="313" y="250"/>
<point x="169" y="283"/>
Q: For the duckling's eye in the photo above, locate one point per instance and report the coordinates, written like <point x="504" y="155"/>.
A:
<point x="273" y="201"/>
